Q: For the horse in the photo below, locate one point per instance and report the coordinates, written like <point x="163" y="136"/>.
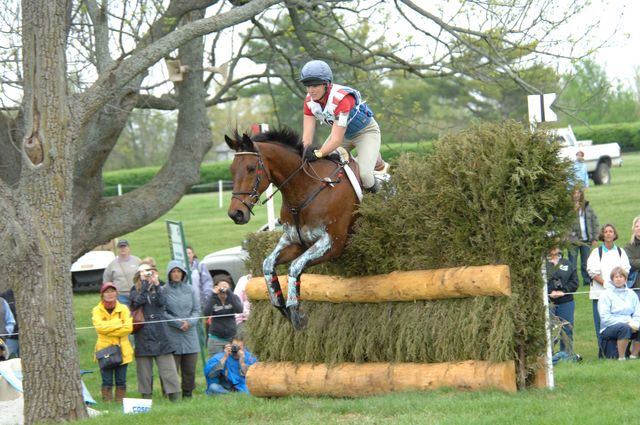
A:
<point x="318" y="207"/>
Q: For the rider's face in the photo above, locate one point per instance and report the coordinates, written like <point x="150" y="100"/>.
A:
<point x="317" y="91"/>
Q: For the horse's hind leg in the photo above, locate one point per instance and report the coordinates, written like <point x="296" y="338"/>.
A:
<point x="318" y="249"/>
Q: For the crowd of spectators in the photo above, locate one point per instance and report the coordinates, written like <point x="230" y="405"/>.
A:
<point x="173" y="311"/>
<point x="594" y="255"/>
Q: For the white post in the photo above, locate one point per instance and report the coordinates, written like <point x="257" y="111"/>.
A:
<point x="271" y="216"/>
<point x="547" y="323"/>
<point x="220" y="193"/>
<point x="119" y="189"/>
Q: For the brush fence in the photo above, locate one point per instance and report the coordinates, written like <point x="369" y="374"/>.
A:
<point x="275" y="379"/>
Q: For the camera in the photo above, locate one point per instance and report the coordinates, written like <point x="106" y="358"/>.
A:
<point x="222" y="290"/>
<point x="148" y="273"/>
<point x="556" y="284"/>
<point x="235" y="348"/>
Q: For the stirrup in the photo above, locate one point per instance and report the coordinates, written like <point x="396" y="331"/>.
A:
<point x="375" y="188"/>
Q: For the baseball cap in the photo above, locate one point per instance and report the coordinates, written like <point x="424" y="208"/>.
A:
<point x="107" y="285"/>
<point x="123" y="242"/>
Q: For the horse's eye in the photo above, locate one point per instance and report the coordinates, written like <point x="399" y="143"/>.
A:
<point x="251" y="168"/>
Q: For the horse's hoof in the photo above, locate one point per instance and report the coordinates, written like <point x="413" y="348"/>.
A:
<point x="285" y="312"/>
<point x="299" y="320"/>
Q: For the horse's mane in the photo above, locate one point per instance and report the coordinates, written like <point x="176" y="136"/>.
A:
<point x="284" y="136"/>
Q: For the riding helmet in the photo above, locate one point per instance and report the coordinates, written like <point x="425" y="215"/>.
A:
<point x="316" y="72"/>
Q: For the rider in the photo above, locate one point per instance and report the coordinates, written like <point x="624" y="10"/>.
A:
<point x="351" y="120"/>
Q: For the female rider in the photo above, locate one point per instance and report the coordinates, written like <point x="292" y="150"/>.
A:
<point x="351" y="120"/>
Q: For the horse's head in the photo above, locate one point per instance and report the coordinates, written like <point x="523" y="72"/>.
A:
<point x="249" y="178"/>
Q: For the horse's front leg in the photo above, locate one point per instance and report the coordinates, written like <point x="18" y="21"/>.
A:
<point x="271" y="277"/>
<point x="317" y="250"/>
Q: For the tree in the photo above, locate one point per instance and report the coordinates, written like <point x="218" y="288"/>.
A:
<point x="52" y="194"/>
<point x="81" y="68"/>
<point x="591" y="98"/>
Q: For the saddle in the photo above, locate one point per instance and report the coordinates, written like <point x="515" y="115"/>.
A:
<point x="342" y="157"/>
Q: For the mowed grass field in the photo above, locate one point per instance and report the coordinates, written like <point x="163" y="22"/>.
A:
<point x="591" y="392"/>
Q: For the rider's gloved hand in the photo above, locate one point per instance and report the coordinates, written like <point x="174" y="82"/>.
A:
<point x="311" y="154"/>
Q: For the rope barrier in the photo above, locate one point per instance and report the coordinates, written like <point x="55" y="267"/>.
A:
<point x="82" y="328"/>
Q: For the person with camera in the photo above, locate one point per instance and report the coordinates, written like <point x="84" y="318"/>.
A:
<point x="562" y="280"/>
<point x="153" y="341"/>
<point x="619" y="311"/>
<point x="113" y="324"/>
<point x="184" y="308"/>
<point x="225" y="372"/>
<point x="221" y="309"/>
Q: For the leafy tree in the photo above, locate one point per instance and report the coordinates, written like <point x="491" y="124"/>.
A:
<point x="591" y="98"/>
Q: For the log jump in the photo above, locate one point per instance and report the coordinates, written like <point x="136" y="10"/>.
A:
<point x="356" y="380"/>
<point x="456" y="282"/>
<point x="278" y="378"/>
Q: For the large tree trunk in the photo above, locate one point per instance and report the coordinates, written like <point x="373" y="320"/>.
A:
<point x="40" y="273"/>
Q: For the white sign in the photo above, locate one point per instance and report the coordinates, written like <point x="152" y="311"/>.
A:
<point x="136" y="405"/>
<point x="540" y="107"/>
<point x="178" y="246"/>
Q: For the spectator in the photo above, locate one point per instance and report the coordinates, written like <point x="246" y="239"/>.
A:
<point x="633" y="252"/>
<point x="7" y="327"/>
<point x="225" y="372"/>
<point x="620" y="314"/>
<point x="222" y="306"/>
<point x="121" y="270"/>
<point x="152" y="341"/>
<point x="580" y="170"/>
<point x="200" y="279"/>
<point x="113" y="324"/>
<point x="584" y="234"/>
<point x="183" y="307"/>
<point x="12" y="341"/>
<point x="240" y="291"/>
<point x="561" y="281"/>
<point x="599" y="266"/>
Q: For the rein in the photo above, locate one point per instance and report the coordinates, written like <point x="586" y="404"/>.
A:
<point x="254" y="194"/>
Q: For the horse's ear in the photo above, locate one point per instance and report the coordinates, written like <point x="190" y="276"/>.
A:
<point x="233" y="144"/>
<point x="247" y="143"/>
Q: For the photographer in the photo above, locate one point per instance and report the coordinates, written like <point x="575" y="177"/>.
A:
<point x="225" y="372"/>
<point x="562" y="279"/>
<point x="222" y="307"/>
<point x="153" y="341"/>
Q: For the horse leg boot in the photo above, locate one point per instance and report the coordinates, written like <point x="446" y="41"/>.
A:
<point x="299" y="320"/>
<point x="275" y="295"/>
<point x="271" y="277"/>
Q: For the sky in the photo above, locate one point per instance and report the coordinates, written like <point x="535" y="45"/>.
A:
<point x="624" y="53"/>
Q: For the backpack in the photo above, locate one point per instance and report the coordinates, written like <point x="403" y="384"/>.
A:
<point x="600" y="252"/>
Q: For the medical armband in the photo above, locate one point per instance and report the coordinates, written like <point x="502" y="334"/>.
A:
<point x="343" y="119"/>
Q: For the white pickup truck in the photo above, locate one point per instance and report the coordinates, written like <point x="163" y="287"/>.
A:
<point x="598" y="158"/>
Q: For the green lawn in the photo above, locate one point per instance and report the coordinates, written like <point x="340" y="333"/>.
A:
<point x="591" y="392"/>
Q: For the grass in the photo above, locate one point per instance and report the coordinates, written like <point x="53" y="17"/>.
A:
<point x="591" y="392"/>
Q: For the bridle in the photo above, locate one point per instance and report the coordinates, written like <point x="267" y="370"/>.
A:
<point x="254" y="195"/>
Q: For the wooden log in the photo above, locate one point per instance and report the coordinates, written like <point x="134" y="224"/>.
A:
<point x="458" y="282"/>
<point x="357" y="380"/>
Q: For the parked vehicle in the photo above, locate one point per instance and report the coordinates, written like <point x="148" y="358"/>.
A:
<point x="231" y="261"/>
<point x="87" y="271"/>
<point x="598" y="158"/>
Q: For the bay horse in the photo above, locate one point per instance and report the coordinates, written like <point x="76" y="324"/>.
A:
<point x="318" y="207"/>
